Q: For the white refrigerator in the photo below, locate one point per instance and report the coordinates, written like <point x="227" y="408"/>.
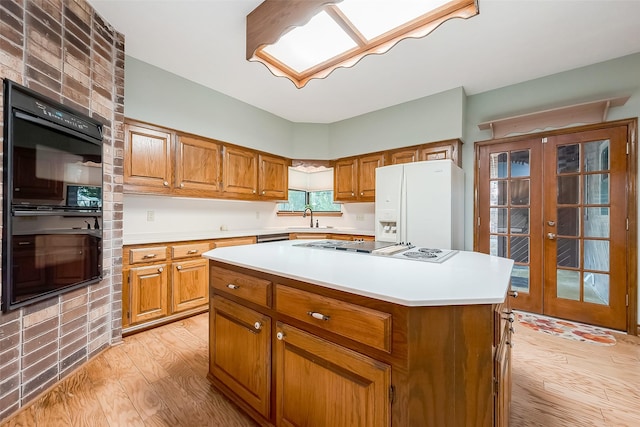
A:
<point x="421" y="203"/>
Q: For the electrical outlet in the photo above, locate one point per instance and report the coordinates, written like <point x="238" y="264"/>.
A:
<point x="360" y="217"/>
<point x="151" y="216"/>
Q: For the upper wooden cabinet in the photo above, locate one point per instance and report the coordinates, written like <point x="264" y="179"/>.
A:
<point x="354" y="178"/>
<point x="448" y="149"/>
<point x="345" y="180"/>
<point x="367" y="176"/>
<point x="404" y="155"/>
<point x="198" y="166"/>
<point x="147" y="159"/>
<point x="273" y="177"/>
<point x="240" y="171"/>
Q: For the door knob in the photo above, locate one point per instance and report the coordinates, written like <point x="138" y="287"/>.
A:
<point x="551" y="236"/>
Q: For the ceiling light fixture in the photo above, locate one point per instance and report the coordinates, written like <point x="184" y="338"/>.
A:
<point x="308" y="39"/>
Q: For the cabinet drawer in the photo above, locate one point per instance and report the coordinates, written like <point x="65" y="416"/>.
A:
<point x="247" y="287"/>
<point x="370" y="327"/>
<point x="139" y="255"/>
<point x="189" y="250"/>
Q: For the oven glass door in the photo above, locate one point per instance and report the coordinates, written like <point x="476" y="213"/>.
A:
<point x="52" y="168"/>
<point x="47" y="260"/>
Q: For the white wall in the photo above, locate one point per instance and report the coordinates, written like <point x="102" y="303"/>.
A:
<point x="159" y="97"/>
<point x="432" y="118"/>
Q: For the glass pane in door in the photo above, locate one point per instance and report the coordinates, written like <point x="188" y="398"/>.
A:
<point x="509" y="211"/>
<point x="583" y="222"/>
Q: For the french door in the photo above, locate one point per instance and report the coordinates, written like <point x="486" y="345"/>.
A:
<point x="557" y="206"/>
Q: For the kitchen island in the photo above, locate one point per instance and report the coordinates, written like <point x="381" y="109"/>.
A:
<point x="310" y="337"/>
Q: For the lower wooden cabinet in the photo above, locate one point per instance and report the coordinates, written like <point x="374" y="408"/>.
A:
<point x="240" y="348"/>
<point x="304" y="355"/>
<point x="190" y="284"/>
<point x="149" y="290"/>
<point x="164" y="282"/>
<point x="319" y="383"/>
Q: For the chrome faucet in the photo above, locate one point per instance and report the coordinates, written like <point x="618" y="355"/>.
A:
<point x="304" y="215"/>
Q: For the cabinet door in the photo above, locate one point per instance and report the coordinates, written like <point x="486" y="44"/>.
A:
<point x="147" y="159"/>
<point x="502" y="369"/>
<point x="149" y="289"/>
<point x="404" y="156"/>
<point x="367" y="176"/>
<point x="197" y="166"/>
<point x="190" y="284"/>
<point x="319" y="384"/>
<point x="345" y="180"/>
<point x="240" y="172"/>
<point x="240" y="352"/>
<point x="442" y="150"/>
<point x="273" y="177"/>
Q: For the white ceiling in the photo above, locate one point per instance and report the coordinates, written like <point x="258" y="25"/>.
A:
<point x="510" y="41"/>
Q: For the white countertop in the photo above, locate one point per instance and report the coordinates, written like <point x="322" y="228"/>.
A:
<point x="172" y="236"/>
<point x="465" y="278"/>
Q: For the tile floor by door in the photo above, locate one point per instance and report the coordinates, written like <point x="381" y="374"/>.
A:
<point x="157" y="378"/>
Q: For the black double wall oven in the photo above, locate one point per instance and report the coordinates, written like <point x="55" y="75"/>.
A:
<point x="52" y="204"/>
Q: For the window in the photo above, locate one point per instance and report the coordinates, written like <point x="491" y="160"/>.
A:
<point x="319" y="201"/>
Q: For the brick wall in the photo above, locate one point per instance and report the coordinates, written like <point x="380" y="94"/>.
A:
<point x="64" y="50"/>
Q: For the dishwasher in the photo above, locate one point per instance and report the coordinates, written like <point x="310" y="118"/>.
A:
<point x="265" y="238"/>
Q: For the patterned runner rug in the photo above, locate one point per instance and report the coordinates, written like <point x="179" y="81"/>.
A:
<point x="566" y="329"/>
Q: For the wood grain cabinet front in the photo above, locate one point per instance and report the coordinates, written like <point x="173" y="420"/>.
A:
<point x="240" y="352"/>
<point x="198" y="167"/>
<point x="240" y="171"/>
<point x="361" y="324"/>
<point x="149" y="292"/>
<point x="147" y="160"/>
<point x="273" y="177"/>
<point x="190" y="284"/>
<point x="319" y="383"/>
<point x="249" y="288"/>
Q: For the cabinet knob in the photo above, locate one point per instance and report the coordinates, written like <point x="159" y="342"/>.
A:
<point x="232" y="286"/>
<point x="166" y="183"/>
<point x="513" y="294"/>
<point x="179" y="267"/>
<point x="160" y="270"/>
<point x="353" y="194"/>
<point x="280" y="336"/>
<point x="254" y="191"/>
<point x="182" y="185"/>
<point x="264" y="192"/>
<point x="318" y="316"/>
<point x="257" y="325"/>
<point x="362" y="193"/>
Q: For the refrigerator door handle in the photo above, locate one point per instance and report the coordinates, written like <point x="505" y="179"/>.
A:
<point x="402" y="223"/>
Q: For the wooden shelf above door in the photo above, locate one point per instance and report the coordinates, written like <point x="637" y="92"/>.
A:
<point x="584" y="113"/>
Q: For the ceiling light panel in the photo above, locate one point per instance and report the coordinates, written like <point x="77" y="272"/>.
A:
<point x="374" y="18"/>
<point x="312" y="44"/>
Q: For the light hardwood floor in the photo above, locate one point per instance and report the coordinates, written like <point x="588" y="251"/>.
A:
<point x="157" y="378"/>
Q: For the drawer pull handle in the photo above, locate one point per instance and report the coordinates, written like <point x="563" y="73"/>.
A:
<point x="513" y="294"/>
<point x="257" y="325"/>
<point x="146" y="256"/>
<point x="179" y="267"/>
<point x="192" y="251"/>
<point x="280" y="336"/>
<point x="317" y="315"/>
<point x="160" y="270"/>
<point x="232" y="286"/>
<point x="510" y="317"/>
